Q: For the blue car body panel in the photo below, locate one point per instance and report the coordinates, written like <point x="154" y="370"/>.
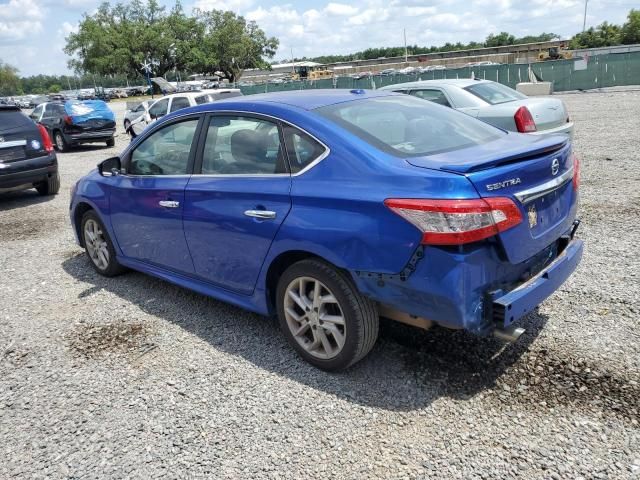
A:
<point x="228" y="248"/>
<point x="145" y="230"/>
<point x="335" y="211"/>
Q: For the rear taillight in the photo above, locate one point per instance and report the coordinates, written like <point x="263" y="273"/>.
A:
<point x="524" y="120"/>
<point x="68" y="120"/>
<point x="454" y="222"/>
<point x="576" y="172"/>
<point x="46" y="139"/>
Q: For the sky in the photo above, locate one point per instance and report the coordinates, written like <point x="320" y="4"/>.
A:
<point x="32" y="32"/>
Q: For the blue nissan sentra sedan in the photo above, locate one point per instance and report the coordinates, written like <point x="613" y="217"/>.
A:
<point x="331" y="208"/>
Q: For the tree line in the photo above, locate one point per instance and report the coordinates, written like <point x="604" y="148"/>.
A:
<point x="604" y="35"/>
<point x="492" y="40"/>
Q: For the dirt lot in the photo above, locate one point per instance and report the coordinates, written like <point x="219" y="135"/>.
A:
<point x="132" y="377"/>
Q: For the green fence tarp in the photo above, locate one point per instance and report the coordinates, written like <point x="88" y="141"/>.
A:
<point x="611" y="70"/>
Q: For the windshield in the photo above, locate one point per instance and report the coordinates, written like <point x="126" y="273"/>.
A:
<point x="494" y="93"/>
<point x="408" y="126"/>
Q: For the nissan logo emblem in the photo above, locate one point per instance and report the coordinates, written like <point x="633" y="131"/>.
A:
<point x="555" y="166"/>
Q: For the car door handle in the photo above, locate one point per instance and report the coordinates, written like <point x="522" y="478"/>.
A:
<point x="261" y="214"/>
<point x="169" y="203"/>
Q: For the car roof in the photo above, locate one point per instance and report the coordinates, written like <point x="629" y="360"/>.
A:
<point x="305" y="99"/>
<point x="457" y="82"/>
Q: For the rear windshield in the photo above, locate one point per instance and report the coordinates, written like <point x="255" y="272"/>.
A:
<point x="212" y="97"/>
<point x="10" y="118"/>
<point x="408" y="126"/>
<point x="494" y="93"/>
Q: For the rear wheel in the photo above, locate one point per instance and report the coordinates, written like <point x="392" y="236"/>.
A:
<point x="324" y="317"/>
<point x="98" y="246"/>
<point x="61" y="143"/>
<point x="127" y="124"/>
<point x="111" y="142"/>
<point x="50" y="186"/>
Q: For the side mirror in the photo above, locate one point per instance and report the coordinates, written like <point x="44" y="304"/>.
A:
<point x="110" y="167"/>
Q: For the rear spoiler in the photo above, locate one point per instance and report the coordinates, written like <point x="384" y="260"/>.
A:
<point x="513" y="158"/>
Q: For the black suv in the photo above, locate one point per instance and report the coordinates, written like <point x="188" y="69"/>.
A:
<point x="27" y="158"/>
<point x="67" y="132"/>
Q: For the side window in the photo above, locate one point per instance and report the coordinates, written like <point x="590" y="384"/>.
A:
<point x="164" y="152"/>
<point x="238" y="145"/>
<point x="179" y="102"/>
<point x="35" y="115"/>
<point x="301" y="148"/>
<point x="202" y="99"/>
<point x="159" y="109"/>
<point x="435" y="96"/>
<point x="49" y="110"/>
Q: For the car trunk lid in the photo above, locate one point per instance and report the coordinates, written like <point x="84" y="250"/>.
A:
<point x="534" y="172"/>
<point x="547" y="113"/>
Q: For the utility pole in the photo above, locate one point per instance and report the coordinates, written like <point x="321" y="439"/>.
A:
<point x="293" y="63"/>
<point x="404" y="31"/>
<point x="584" y="21"/>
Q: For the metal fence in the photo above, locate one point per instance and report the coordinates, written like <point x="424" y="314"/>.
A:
<point x="597" y="71"/>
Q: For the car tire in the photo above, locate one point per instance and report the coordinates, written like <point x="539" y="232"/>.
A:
<point x="50" y="186"/>
<point x="111" y="142"/>
<point x="59" y="141"/>
<point x="353" y="329"/>
<point x="99" y="249"/>
<point x="127" y="124"/>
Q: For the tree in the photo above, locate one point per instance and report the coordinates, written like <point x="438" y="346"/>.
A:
<point x="503" y="38"/>
<point x="630" y="32"/>
<point x="9" y="80"/>
<point x="229" y="44"/>
<point x="118" y="39"/>
<point x="604" y="35"/>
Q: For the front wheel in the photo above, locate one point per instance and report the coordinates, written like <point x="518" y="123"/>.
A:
<point x="98" y="246"/>
<point x="111" y="142"/>
<point x="324" y="317"/>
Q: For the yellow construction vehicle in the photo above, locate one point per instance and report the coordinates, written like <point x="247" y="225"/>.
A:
<point x="555" y="53"/>
<point x="311" y="73"/>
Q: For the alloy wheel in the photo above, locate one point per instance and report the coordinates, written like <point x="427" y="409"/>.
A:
<point x="314" y="317"/>
<point x="59" y="141"/>
<point x="96" y="244"/>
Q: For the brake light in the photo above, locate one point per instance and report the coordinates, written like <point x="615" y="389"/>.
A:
<point x="455" y="222"/>
<point x="576" y="172"/>
<point x="524" y="120"/>
<point x="46" y="139"/>
<point x="68" y="120"/>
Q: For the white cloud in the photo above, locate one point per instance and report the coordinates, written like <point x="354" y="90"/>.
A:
<point x="340" y="9"/>
<point x="233" y="5"/>
<point x="20" y="19"/>
<point x="370" y="15"/>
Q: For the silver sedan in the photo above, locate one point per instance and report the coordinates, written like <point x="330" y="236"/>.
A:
<point x="494" y="103"/>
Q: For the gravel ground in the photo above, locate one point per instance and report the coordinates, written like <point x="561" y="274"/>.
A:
<point x="132" y="377"/>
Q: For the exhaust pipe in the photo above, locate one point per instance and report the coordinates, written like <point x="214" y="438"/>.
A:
<point x="509" y="334"/>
